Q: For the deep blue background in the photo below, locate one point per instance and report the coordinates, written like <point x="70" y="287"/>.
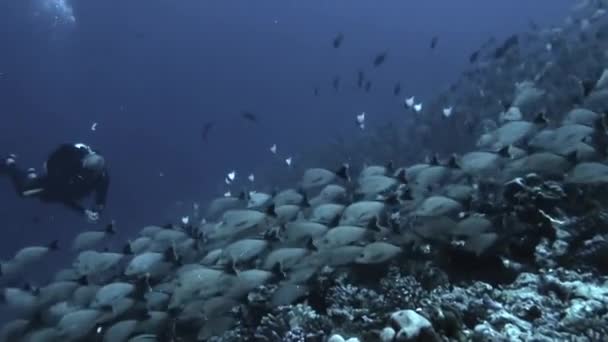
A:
<point x="152" y="72"/>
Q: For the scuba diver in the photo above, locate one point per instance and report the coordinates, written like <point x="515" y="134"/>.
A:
<point x="72" y="172"/>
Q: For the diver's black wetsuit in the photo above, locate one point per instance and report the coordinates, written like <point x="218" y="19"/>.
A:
<point x="66" y="180"/>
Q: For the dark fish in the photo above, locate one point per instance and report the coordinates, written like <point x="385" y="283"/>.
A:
<point x="473" y="57"/>
<point x="432" y="160"/>
<point x="343" y="172"/>
<point x="599" y="138"/>
<point x="338" y="40"/>
<point x="453" y="162"/>
<point x="380" y="59"/>
<point x="434" y="42"/>
<point x="207" y="127"/>
<point x="469" y="126"/>
<point x="511" y="42"/>
<point x="541" y="119"/>
<point x="249" y="116"/>
<point x="506" y="104"/>
<point x="488" y="42"/>
<point x="397" y="89"/>
<point x="368" y="86"/>
<point x="588" y="86"/>
<point x="360" y="78"/>
<point x="336" y="83"/>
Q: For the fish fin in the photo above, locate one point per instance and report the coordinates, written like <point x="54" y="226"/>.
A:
<point x="374" y="225"/>
<point x="572" y="157"/>
<point x="390" y="166"/>
<point x="272" y="235"/>
<point x="406" y="195"/>
<point x="343" y="173"/>
<point x="541" y="119"/>
<point x="335" y="222"/>
<point x="110" y="228"/>
<point x="126" y="250"/>
<point x="244" y="195"/>
<point x="170" y="255"/>
<point x="310" y="245"/>
<point x="270" y="210"/>
<point x="452" y="163"/>
<point x="142" y="286"/>
<point x="230" y="268"/>
<point x="391" y="199"/>
<point x="504" y="152"/>
<point x="54" y="245"/>
<point x="587" y="86"/>
<point x="277" y="270"/>
<point x="30" y="288"/>
<point x="402" y="176"/>
<point x="305" y="203"/>
<point x="106" y="308"/>
<point x="84" y="280"/>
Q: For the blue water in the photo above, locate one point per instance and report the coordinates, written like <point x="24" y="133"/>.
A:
<point x="152" y="73"/>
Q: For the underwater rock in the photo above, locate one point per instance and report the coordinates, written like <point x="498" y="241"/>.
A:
<point x="411" y="326"/>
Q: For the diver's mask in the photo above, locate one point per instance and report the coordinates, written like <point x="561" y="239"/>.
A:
<point x="94" y="163"/>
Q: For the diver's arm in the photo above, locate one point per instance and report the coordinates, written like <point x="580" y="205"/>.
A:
<point x="101" y="191"/>
<point x="75" y="206"/>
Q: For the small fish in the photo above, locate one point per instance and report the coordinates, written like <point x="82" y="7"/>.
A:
<point x="473" y="57"/>
<point x="587" y="86"/>
<point x="94" y="126"/>
<point x="207" y="127"/>
<point x="447" y="112"/>
<point x="409" y="102"/>
<point x="337" y="42"/>
<point x="361" y="120"/>
<point x="249" y="116"/>
<point x="251" y="177"/>
<point x="397" y="89"/>
<point x="360" y="79"/>
<point x="540" y="119"/>
<point x="336" y="83"/>
<point x="512" y="41"/>
<point x="434" y="42"/>
<point x="380" y="59"/>
<point x="273" y="149"/>
<point x="418" y="107"/>
<point x="288" y="161"/>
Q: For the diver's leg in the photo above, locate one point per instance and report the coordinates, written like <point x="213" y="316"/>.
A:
<point x="7" y="163"/>
<point x="25" y="182"/>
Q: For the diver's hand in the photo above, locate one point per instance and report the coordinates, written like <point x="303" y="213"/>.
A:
<point x="92" y="216"/>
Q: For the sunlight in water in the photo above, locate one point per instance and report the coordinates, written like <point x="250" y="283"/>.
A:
<point x="60" y="10"/>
